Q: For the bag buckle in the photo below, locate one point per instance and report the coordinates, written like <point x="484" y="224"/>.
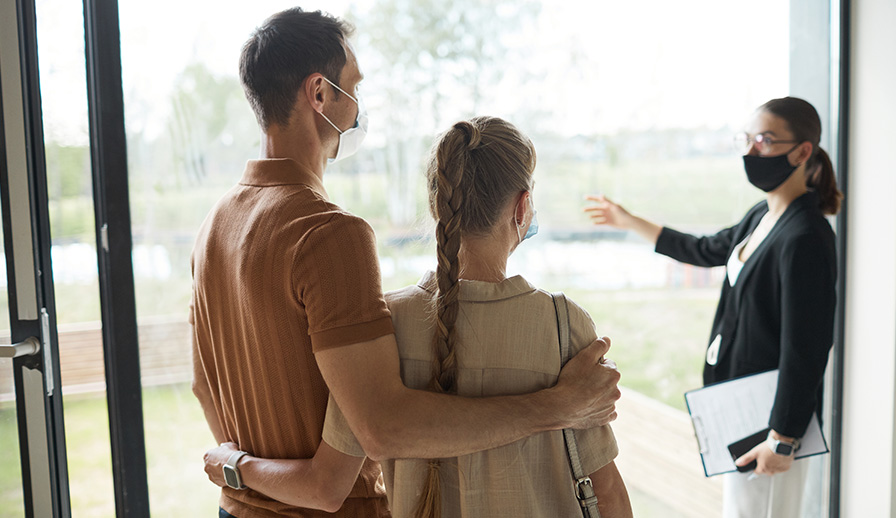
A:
<point x="581" y="484"/>
<point x="585" y="492"/>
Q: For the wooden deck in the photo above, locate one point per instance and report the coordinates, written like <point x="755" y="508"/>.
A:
<point x="658" y="458"/>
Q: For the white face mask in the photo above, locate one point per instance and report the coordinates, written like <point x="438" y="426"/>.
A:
<point x="350" y="139"/>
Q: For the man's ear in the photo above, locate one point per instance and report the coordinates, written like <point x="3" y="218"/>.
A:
<point x="519" y="211"/>
<point x="314" y="91"/>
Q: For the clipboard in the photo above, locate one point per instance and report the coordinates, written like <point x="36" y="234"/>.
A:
<point x="726" y="412"/>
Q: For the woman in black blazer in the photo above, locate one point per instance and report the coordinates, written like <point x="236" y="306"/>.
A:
<point x="776" y="310"/>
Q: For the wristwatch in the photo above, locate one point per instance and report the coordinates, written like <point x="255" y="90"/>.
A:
<point x="232" y="473"/>
<point x="783" y="447"/>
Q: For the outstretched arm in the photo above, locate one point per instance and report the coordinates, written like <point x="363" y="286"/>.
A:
<point x="322" y="482"/>
<point x="605" y="212"/>
<point x="392" y="421"/>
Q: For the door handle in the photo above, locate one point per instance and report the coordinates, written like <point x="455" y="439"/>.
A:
<point x="30" y="345"/>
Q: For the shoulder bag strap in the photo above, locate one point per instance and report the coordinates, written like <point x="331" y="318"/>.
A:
<point x="584" y="489"/>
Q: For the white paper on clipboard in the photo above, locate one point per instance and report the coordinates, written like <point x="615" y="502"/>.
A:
<point x="726" y="412"/>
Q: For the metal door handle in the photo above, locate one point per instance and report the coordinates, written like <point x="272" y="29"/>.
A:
<point x="30" y="345"/>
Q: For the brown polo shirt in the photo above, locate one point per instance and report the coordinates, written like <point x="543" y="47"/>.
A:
<point x="279" y="273"/>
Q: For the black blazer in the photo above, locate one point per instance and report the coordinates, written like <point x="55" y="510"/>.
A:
<point x="780" y="312"/>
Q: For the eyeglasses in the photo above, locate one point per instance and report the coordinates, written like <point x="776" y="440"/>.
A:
<point x="744" y="141"/>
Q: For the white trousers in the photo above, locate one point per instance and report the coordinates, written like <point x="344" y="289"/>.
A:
<point x="778" y="496"/>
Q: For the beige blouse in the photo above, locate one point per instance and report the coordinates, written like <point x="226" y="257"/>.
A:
<point x="508" y="344"/>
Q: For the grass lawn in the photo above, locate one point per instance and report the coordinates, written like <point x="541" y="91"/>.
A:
<point x="658" y="337"/>
<point x="176" y="438"/>
<point x="11" y="505"/>
<point x="658" y="343"/>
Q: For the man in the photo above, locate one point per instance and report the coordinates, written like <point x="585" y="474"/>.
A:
<point x="287" y="306"/>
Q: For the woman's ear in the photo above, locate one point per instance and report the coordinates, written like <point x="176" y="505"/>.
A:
<point x="519" y="210"/>
<point x="803" y="152"/>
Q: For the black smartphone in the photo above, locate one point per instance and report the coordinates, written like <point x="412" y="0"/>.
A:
<point x="742" y="446"/>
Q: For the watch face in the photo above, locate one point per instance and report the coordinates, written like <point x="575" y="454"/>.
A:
<point x="231" y="477"/>
<point x="783" y="449"/>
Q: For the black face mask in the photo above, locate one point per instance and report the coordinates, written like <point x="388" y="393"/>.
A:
<point x="768" y="172"/>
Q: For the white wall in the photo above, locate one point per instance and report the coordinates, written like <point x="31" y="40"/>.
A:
<point x="868" y="477"/>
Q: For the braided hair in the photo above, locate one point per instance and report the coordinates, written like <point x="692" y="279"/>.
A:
<point x="474" y="169"/>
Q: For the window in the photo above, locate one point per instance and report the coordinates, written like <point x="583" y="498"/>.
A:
<point x="638" y="101"/>
<point x="642" y="112"/>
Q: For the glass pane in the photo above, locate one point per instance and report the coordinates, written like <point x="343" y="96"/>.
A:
<point x="73" y="253"/>
<point x="642" y="112"/>
<point x="189" y="133"/>
<point x="12" y="503"/>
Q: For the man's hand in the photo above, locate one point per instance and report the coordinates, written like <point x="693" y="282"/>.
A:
<point x="588" y="387"/>
<point x="215" y="459"/>
<point x="322" y="482"/>
<point x="767" y="461"/>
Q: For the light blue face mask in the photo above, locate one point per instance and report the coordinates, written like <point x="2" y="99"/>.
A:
<point x="533" y="226"/>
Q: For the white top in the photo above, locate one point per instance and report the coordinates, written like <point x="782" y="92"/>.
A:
<point x="735" y="265"/>
<point x="733" y="268"/>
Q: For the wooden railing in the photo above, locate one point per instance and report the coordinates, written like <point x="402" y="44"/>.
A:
<point x="165" y="356"/>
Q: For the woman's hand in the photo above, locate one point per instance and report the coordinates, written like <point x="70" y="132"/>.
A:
<point x="215" y="459"/>
<point x="605" y="212"/>
<point x="767" y="461"/>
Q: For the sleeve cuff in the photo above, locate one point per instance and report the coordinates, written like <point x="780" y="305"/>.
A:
<point x="661" y="246"/>
<point x="351" y="334"/>
<point x="597" y="447"/>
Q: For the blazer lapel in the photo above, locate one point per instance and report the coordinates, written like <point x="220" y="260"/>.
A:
<point x="730" y="318"/>
<point x="795" y="207"/>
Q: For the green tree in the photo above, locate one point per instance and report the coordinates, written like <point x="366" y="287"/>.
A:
<point x="209" y="118"/>
<point x="69" y="189"/>
<point x="427" y="55"/>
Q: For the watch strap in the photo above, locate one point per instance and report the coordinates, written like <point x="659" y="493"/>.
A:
<point x="231" y="465"/>
<point x="783" y="447"/>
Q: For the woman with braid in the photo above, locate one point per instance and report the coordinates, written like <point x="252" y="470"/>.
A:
<point x="467" y="329"/>
<point x="487" y="335"/>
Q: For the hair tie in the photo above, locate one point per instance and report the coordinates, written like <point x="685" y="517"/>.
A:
<point x="472" y="135"/>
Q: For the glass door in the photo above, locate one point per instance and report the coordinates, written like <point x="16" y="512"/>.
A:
<point x="32" y="342"/>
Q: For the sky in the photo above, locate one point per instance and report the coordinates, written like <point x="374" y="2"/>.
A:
<point x="642" y="64"/>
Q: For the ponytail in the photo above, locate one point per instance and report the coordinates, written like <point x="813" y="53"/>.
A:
<point x="824" y="182"/>
<point x="450" y="161"/>
<point x="805" y="124"/>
